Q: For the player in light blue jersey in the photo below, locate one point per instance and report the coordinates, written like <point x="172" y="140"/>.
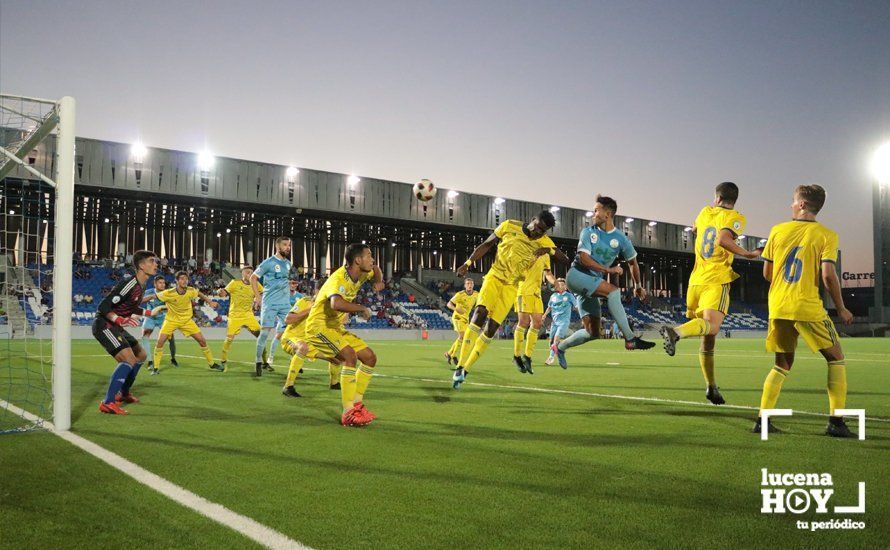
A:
<point x="149" y="324"/>
<point x="295" y="295"/>
<point x="274" y="301"/>
<point x="559" y="307"/>
<point x="599" y="246"/>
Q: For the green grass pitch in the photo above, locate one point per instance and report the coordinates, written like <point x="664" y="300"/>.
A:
<point x="496" y="464"/>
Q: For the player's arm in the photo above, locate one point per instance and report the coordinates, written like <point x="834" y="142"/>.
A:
<point x="452" y="306"/>
<point x="345" y="306"/>
<point x="378" y="279"/>
<point x="115" y="297"/>
<point x="479" y="253"/>
<point x="634" y="266"/>
<point x="546" y="313"/>
<point x="255" y="286"/>
<point x="222" y="293"/>
<point x="296" y="317"/>
<point x="147" y="298"/>
<point x="588" y="262"/>
<point x="768" y="271"/>
<point x="555" y="253"/>
<point x="833" y="286"/>
<point x="728" y="242"/>
<point x="548" y="275"/>
<point x="207" y="300"/>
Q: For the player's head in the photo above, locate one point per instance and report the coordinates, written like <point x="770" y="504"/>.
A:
<point x="182" y="279"/>
<point x="807" y="198"/>
<point x="541" y="224"/>
<point x="282" y="246"/>
<point x="726" y="194"/>
<point x="359" y="255"/>
<point x="604" y="209"/>
<point x="560" y="285"/>
<point x="293" y="283"/>
<point x="145" y="261"/>
<point x="469" y="283"/>
<point x="160" y="283"/>
<point x="246" y="272"/>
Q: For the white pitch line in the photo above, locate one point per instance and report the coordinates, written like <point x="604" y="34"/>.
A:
<point x="248" y="527"/>
<point x="569" y="392"/>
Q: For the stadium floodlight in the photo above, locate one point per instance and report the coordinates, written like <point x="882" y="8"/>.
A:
<point x="12" y="212"/>
<point x="219" y="234"/>
<point x="228" y="230"/>
<point x="138" y="150"/>
<point x="141" y="228"/>
<point x="190" y="227"/>
<point x="687" y="229"/>
<point x="628" y="220"/>
<point x="653" y="224"/>
<point x="292" y="171"/>
<point x="741" y="237"/>
<point x="205" y="161"/>
<point x="393" y="245"/>
<point x="353" y="179"/>
<point x="107" y="220"/>
<point x="588" y="214"/>
<point x="364" y="242"/>
<point x="554" y="209"/>
<point x="452" y="194"/>
<point x="435" y="252"/>
<point x="499" y="201"/>
<point x="880" y="164"/>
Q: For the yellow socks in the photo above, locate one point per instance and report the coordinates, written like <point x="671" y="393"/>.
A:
<point x="478" y="350"/>
<point x="470" y="337"/>
<point x="837" y="386"/>
<point x="207" y="355"/>
<point x="455" y="346"/>
<point x="362" y="379"/>
<point x="158" y="355"/>
<point x="695" y="327"/>
<point x="530" y="341"/>
<point x="518" y="340"/>
<point x="347" y="387"/>
<point x="771" y="387"/>
<point x="706" y="360"/>
<point x="227" y="344"/>
<point x="296" y="363"/>
<point x="334" y="372"/>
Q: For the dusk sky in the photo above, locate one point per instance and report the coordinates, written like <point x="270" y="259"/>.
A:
<point x="653" y="103"/>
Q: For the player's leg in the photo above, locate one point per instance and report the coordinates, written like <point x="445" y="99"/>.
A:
<point x="523" y="322"/>
<point x="279" y="324"/>
<point x="111" y="338"/>
<point x="276" y="340"/>
<point x="459" y="327"/>
<point x="125" y="396"/>
<point x="498" y="299"/>
<point x="713" y="318"/>
<point x="172" y="341"/>
<point x="367" y="360"/>
<point x="297" y="350"/>
<point x="531" y="339"/>
<point x="334" y="367"/>
<point x="232" y="330"/>
<point x="146" y="340"/>
<point x="781" y="339"/>
<point x="351" y="416"/>
<point x="706" y="306"/>
<point x="612" y="294"/>
<point x="268" y="318"/>
<point x="191" y="329"/>
<point x="165" y="333"/>
<point x="821" y="336"/>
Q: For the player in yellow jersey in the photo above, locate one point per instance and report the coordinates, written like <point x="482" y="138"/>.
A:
<point x="518" y="247"/>
<point x="292" y="342"/>
<point x="241" y="310"/>
<point x="530" y="312"/>
<point x="798" y="254"/>
<point x="178" y="301"/>
<point x="462" y="304"/>
<point x="328" y="339"/>
<point x="707" y="299"/>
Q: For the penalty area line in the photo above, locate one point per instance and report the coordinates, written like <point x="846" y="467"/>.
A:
<point x="248" y="527"/>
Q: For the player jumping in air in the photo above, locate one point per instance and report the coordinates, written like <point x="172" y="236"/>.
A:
<point x="707" y="300"/>
<point x="462" y="304"/>
<point x="599" y="246"/>
<point x="559" y="307"/>
<point x="530" y="312"/>
<point x="155" y="322"/>
<point x="798" y="254"/>
<point x="115" y="312"/>
<point x="328" y="339"/>
<point x="275" y="303"/>
<point x="518" y="247"/>
<point x="179" y="317"/>
<point x="241" y="307"/>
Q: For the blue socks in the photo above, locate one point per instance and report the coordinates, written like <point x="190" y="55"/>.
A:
<point x="128" y="383"/>
<point x="118" y="378"/>
<point x="577" y="338"/>
<point x="261" y="344"/>
<point x="616" y="308"/>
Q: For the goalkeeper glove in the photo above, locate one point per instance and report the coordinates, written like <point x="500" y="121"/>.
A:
<point x="126" y="322"/>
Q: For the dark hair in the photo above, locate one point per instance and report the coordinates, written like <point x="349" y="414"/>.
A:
<point x="246" y="267"/>
<point x="547" y="218"/>
<point x="141" y="255"/>
<point x="281" y="239"/>
<point x="160" y="279"/>
<point x="728" y="192"/>
<point x="180" y="274"/>
<point x="353" y="251"/>
<point x="609" y="203"/>
<point x="813" y="195"/>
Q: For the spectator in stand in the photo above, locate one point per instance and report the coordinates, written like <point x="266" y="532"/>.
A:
<point x="89" y="297"/>
<point x="78" y="298"/>
<point x="192" y="264"/>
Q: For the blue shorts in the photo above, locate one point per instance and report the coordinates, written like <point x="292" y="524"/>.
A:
<point x="151" y="323"/>
<point x="584" y="286"/>
<point x="272" y="314"/>
<point x="559" y="330"/>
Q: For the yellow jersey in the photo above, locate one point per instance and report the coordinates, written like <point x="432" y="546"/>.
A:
<point x="797" y="250"/>
<point x="341" y="284"/>
<point x="297" y="331"/>
<point x="179" y="306"/>
<point x="713" y="263"/>
<point x="516" y="252"/>
<point x="240" y="297"/>
<point x="464" y="301"/>
<point x="531" y="285"/>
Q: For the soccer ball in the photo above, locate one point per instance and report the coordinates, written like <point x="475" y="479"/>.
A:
<point x="424" y="190"/>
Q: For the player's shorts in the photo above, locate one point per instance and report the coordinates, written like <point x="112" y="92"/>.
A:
<point x="151" y="323"/>
<point x="272" y="314"/>
<point x="584" y="286"/>
<point x="782" y="335"/>
<point x="328" y="343"/>
<point x="497" y="297"/>
<point x="187" y="328"/>
<point x="559" y="330"/>
<point x="702" y="297"/>
<point x="113" y="337"/>
<point x="237" y="322"/>
<point x="529" y="303"/>
<point x="459" y="324"/>
<point x="289" y="345"/>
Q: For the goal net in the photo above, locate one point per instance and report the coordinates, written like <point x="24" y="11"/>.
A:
<point x="36" y="226"/>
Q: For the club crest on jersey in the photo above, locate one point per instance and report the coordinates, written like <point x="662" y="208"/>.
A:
<point x="277" y="268"/>
<point x="343" y="289"/>
<point x="737" y="225"/>
<point x="116" y="300"/>
<point x="594" y="238"/>
<point x="613" y="243"/>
